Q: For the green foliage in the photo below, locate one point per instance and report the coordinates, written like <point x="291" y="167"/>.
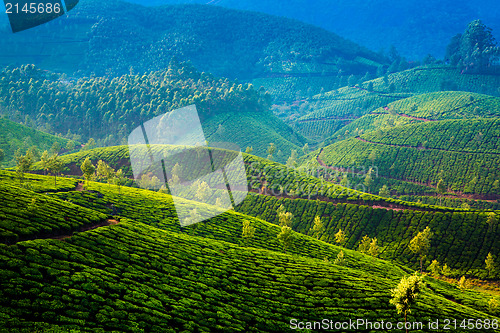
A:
<point x="340" y="260"/>
<point x="434" y="268"/>
<point x="421" y="243"/>
<point x="406" y="293"/>
<point x="340" y="237"/>
<point x="248" y="231"/>
<point x="88" y="169"/>
<point x="490" y="264"/>
<point x="463" y="284"/>
<point x="318" y="228"/>
<point x="286" y="237"/>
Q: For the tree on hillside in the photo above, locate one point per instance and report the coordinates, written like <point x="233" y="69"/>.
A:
<point x="286" y="237"/>
<point x="292" y="160"/>
<point x="446" y="271"/>
<point x="340" y="237"/>
<point x="406" y="293"/>
<point x="317" y="227"/>
<point x="248" y="231"/>
<point x="384" y="191"/>
<point x="104" y="171"/>
<point x="70" y="145"/>
<point x="119" y="179"/>
<point x="285" y="219"/>
<point x="271" y="149"/>
<point x="374" y="249"/>
<point x="23" y="163"/>
<point x="203" y="192"/>
<point x="249" y="150"/>
<point x="340" y="259"/>
<point x="364" y="246"/>
<point x="2" y="156"/>
<point x="475" y="50"/>
<point x="463" y="283"/>
<point x="55" y="166"/>
<point x="491" y="220"/>
<point x="44" y="161"/>
<point x="441" y="189"/>
<point x="305" y="149"/>
<point x="368" y="182"/>
<point x="420" y="244"/>
<point x="434" y="268"/>
<point x="88" y="170"/>
<point x="490" y="264"/>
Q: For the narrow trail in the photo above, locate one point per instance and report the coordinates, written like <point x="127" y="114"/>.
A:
<point x="104" y="223"/>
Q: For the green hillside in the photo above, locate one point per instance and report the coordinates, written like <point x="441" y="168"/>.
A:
<point x="90" y="107"/>
<point x="464" y="153"/>
<point x="159" y="277"/>
<point x="350" y="103"/>
<point x="14" y="136"/>
<point x="112" y="37"/>
<point x="425" y="107"/>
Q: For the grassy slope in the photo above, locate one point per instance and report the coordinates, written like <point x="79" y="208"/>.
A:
<point x="353" y="102"/>
<point x="14" y="136"/>
<point x="134" y="275"/>
<point x="462" y="152"/>
<point x="432" y="106"/>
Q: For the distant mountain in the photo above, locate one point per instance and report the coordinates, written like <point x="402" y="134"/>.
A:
<point x="114" y="38"/>
<point x="415" y="27"/>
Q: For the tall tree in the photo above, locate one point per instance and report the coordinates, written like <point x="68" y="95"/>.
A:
<point x="340" y="237"/>
<point x="88" y="170"/>
<point x="421" y="243"/>
<point x="119" y="179"/>
<point x="490" y="264"/>
<point x="55" y="166"/>
<point x="317" y="227"/>
<point x="441" y="189"/>
<point x="406" y="293"/>
<point x="44" y="161"/>
<point x="286" y="237"/>
<point x="23" y="163"/>
<point x="248" y="231"/>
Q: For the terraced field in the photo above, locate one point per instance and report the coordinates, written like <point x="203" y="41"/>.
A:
<point x="464" y="154"/>
<point x="133" y="276"/>
<point x="367" y="97"/>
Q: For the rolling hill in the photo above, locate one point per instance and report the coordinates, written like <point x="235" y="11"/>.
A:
<point x="112" y="37"/>
<point x="461" y="152"/>
<point x="330" y="114"/>
<point x="134" y="275"/>
<point x="14" y="136"/>
<point x="108" y="109"/>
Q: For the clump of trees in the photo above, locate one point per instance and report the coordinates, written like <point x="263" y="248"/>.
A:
<point x="475" y="50"/>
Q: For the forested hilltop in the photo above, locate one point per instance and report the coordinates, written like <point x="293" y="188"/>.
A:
<point x="115" y="37"/>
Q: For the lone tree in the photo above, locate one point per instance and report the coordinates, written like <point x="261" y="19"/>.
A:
<point x="88" y="170"/>
<point x="420" y="244"/>
<point x="248" y="231"/>
<point x="491" y="220"/>
<point x="286" y="219"/>
<point x="55" y="166"/>
<point x="23" y="163"/>
<point x="340" y="260"/>
<point x="463" y="283"/>
<point x="384" y="191"/>
<point x="285" y="237"/>
<point x="434" y="268"/>
<point x="317" y="228"/>
<point x="364" y="246"/>
<point x="119" y="179"/>
<point x="490" y="264"/>
<point x="340" y="237"/>
<point x="441" y="189"/>
<point x="374" y="249"/>
<point x="270" y="151"/>
<point x="44" y="161"/>
<point x="406" y="293"/>
<point x="104" y="171"/>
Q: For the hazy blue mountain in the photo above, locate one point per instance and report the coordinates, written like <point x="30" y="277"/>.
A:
<point x="415" y="27"/>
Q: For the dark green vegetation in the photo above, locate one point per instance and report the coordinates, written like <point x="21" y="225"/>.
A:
<point x="159" y="277"/>
<point x="462" y="240"/>
<point x="108" y="109"/>
<point x="14" y="136"/>
<point x="112" y="37"/>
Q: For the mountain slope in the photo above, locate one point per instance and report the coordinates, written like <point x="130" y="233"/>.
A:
<point x="463" y="153"/>
<point x="345" y="105"/>
<point x="114" y="36"/>
<point x="15" y="136"/>
<point x="133" y="275"/>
